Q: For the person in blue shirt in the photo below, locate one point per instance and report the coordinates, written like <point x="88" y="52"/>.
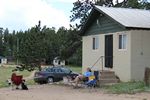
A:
<point x="83" y="77"/>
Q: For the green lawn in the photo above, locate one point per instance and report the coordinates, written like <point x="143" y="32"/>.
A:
<point x="76" y="68"/>
<point x="5" y="73"/>
<point x="128" y="87"/>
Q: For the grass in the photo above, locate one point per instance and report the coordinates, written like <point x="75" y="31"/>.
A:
<point x="75" y="68"/>
<point x="128" y="87"/>
<point x="5" y="73"/>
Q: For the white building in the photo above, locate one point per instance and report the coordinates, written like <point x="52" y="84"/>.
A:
<point x="120" y="37"/>
<point x="58" y="62"/>
<point x="3" y="60"/>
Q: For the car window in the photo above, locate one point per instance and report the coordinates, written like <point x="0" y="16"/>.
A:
<point x="66" y="70"/>
<point x="49" y="69"/>
<point x="59" y="71"/>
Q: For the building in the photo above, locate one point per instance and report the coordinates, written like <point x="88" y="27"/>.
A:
<point x="58" y="62"/>
<point x="117" y="39"/>
<point x="3" y="60"/>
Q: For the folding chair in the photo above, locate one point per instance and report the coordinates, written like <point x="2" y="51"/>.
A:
<point x="16" y="80"/>
<point x="91" y="81"/>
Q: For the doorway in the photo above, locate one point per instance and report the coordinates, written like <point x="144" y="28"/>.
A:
<point x="109" y="51"/>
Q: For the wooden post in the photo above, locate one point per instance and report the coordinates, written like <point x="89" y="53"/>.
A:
<point x="147" y="76"/>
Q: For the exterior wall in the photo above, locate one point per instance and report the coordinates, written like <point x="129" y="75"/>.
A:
<point x="140" y="53"/>
<point x="3" y="61"/>
<point x="90" y="56"/>
<point x="121" y="58"/>
<point x="103" y="25"/>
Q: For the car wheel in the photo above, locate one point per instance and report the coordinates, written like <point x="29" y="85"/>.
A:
<point x="50" y="80"/>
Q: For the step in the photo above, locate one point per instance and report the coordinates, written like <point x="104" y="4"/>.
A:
<point x="107" y="75"/>
<point x="104" y="81"/>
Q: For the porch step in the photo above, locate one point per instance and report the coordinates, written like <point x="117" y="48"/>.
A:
<point x="108" y="81"/>
<point x="108" y="77"/>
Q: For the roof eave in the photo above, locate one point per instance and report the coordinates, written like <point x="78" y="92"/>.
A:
<point x="89" y="19"/>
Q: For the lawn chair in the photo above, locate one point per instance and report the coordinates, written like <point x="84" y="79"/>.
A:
<point x="16" y="80"/>
<point x="93" y="81"/>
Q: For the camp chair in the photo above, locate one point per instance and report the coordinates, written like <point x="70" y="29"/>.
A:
<point x="16" y="80"/>
<point x="91" y="82"/>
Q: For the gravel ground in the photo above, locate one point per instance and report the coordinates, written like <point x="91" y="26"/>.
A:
<point x="56" y="92"/>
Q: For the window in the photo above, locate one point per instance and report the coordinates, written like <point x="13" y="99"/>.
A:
<point x="122" y="41"/>
<point x="65" y="70"/>
<point x="95" y="43"/>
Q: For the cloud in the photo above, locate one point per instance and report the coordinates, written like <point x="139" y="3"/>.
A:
<point x="22" y="14"/>
<point x="63" y="1"/>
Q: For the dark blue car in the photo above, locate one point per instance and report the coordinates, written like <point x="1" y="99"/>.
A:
<point x="53" y="74"/>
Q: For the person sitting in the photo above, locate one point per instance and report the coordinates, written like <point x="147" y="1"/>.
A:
<point x="83" y="77"/>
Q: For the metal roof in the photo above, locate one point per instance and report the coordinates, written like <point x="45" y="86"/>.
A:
<point x="128" y="17"/>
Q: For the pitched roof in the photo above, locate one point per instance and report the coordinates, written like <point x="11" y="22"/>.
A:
<point x="126" y="17"/>
<point x="136" y="18"/>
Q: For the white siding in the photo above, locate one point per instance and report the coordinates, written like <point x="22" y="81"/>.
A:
<point x="90" y="56"/>
<point x="122" y="58"/>
<point x="140" y="53"/>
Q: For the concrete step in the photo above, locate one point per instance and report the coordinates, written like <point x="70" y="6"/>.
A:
<point x="107" y="73"/>
<point x="108" y="77"/>
<point x="106" y="81"/>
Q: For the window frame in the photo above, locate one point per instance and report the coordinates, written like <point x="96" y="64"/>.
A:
<point x="122" y="44"/>
<point x="95" y="43"/>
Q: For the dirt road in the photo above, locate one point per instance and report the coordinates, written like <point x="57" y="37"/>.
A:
<point x="55" y="92"/>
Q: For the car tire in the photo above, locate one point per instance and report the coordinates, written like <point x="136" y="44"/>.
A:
<point x="50" y="80"/>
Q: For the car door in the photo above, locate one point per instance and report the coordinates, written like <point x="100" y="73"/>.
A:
<point x="58" y="73"/>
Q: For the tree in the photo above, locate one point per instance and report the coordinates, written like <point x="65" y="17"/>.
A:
<point x="82" y="8"/>
<point x="38" y="44"/>
<point x="1" y="42"/>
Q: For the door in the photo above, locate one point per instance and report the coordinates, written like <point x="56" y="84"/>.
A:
<point x="109" y="51"/>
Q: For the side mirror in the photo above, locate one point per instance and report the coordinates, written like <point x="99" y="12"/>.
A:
<point x="70" y="71"/>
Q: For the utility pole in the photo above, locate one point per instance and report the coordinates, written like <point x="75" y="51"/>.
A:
<point x="17" y="49"/>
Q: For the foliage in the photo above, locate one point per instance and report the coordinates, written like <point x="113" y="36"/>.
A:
<point x="41" y="44"/>
<point x="71" y="44"/>
<point x="82" y="8"/>
<point x="128" y="87"/>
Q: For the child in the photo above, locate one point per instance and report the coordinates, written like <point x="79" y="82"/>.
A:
<point x="23" y="85"/>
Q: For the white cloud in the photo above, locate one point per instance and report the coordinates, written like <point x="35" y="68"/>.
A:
<point x="64" y="1"/>
<point x="22" y="14"/>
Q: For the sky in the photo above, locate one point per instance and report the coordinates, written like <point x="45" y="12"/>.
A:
<point x="24" y="14"/>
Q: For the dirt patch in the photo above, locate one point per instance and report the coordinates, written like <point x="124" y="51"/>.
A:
<point x="55" y="92"/>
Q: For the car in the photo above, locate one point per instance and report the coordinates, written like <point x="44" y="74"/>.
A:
<point x="53" y="74"/>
